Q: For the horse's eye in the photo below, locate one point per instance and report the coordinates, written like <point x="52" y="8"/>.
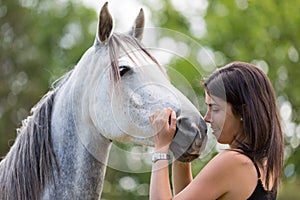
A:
<point x="123" y="70"/>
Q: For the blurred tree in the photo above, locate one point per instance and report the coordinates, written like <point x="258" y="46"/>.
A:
<point x="39" y="41"/>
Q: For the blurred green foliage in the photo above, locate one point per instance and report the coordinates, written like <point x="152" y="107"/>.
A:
<point x="37" y="46"/>
<point x="41" y="40"/>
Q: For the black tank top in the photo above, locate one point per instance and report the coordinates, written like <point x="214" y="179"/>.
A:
<point x="259" y="192"/>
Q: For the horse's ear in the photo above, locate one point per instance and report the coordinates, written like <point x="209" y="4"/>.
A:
<point x="105" y="24"/>
<point x="138" y="26"/>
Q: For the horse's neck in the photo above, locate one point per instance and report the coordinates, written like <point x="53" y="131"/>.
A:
<point x="81" y="174"/>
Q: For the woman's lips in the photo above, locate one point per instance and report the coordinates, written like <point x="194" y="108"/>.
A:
<point x="214" y="130"/>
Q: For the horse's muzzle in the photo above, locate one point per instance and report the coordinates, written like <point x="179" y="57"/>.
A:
<point x="189" y="139"/>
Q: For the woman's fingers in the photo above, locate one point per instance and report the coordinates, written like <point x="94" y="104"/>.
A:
<point x="163" y="124"/>
<point x="151" y="118"/>
<point x="163" y="117"/>
<point x="173" y="122"/>
<point x="158" y="121"/>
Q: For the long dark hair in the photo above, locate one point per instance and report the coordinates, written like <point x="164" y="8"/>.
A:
<point x="252" y="97"/>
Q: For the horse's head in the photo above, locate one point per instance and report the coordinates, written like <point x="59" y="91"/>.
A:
<point x="128" y="85"/>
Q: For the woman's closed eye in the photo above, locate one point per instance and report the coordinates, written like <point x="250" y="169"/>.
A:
<point x="215" y="109"/>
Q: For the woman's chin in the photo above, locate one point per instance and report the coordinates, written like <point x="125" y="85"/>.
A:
<point x="216" y="133"/>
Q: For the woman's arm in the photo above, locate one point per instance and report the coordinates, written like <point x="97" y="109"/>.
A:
<point x="181" y="175"/>
<point x="163" y="133"/>
<point x="160" y="184"/>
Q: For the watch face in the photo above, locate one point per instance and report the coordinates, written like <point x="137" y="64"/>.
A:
<point x="154" y="158"/>
<point x="160" y="156"/>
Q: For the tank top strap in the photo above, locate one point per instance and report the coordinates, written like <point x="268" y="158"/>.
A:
<point x="256" y="167"/>
<point x="254" y="163"/>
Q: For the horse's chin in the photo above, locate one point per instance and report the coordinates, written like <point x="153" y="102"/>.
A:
<point x="186" y="157"/>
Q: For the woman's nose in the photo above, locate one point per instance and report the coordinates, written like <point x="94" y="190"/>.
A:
<point x="207" y="117"/>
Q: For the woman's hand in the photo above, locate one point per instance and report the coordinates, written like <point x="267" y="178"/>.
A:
<point x="163" y="123"/>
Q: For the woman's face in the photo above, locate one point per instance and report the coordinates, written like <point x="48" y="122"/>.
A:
<point x="225" y="125"/>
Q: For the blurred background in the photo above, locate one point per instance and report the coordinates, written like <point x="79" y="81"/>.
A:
<point x="41" y="40"/>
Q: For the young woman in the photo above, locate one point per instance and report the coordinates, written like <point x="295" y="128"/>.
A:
<point x="242" y="113"/>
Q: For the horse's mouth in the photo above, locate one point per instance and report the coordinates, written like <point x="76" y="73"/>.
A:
<point x="187" y="157"/>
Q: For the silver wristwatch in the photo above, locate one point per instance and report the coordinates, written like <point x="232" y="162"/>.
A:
<point x="160" y="156"/>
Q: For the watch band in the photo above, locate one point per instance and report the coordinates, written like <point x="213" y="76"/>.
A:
<point x="160" y="156"/>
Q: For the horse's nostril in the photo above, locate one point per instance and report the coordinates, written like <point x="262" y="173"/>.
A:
<point x="205" y="130"/>
<point x="175" y="131"/>
<point x="203" y="127"/>
<point x="178" y="122"/>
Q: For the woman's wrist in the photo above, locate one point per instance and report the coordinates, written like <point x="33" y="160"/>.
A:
<point x="161" y="153"/>
<point x="164" y="149"/>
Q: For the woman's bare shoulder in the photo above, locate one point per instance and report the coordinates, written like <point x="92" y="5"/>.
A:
<point x="237" y="170"/>
<point x="232" y="159"/>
